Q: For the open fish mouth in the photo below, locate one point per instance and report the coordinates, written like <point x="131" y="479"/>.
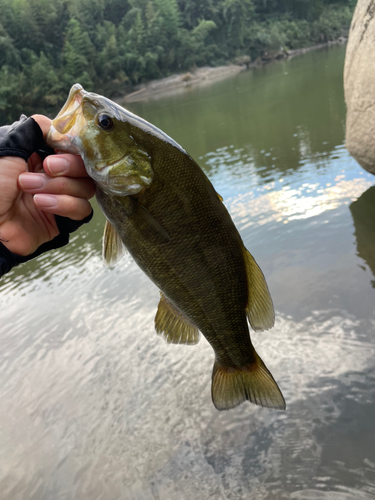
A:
<point x="69" y="122"/>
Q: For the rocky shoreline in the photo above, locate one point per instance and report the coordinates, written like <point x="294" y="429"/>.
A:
<point x="201" y="77"/>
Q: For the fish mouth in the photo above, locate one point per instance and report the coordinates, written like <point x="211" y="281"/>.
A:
<point x="69" y="122"/>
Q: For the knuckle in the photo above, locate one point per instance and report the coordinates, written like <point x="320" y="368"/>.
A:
<point x="64" y="185"/>
<point x="73" y="204"/>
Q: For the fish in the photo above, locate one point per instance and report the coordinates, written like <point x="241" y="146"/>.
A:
<point x="161" y="207"/>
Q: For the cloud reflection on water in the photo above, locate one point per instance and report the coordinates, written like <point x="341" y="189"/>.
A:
<point x="287" y="204"/>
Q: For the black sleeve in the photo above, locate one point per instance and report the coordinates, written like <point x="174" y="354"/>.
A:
<point x="22" y="139"/>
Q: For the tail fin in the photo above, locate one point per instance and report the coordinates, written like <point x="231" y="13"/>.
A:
<point x="233" y="386"/>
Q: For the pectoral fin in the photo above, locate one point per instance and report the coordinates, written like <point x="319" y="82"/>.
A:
<point x="173" y="326"/>
<point x="113" y="248"/>
<point x="148" y="225"/>
<point x="259" y="308"/>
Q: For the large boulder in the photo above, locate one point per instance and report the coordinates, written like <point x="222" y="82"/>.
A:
<point x="359" y="85"/>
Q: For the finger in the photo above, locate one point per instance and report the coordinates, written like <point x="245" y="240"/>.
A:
<point x="64" y="164"/>
<point x="43" y="122"/>
<point x="31" y="182"/>
<point x="67" y="206"/>
<point x="35" y="163"/>
<point x="10" y="168"/>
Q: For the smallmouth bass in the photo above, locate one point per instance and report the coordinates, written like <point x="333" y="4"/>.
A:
<point x="160" y="205"/>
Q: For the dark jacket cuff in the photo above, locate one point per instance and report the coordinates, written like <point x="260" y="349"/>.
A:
<point x="21" y="139"/>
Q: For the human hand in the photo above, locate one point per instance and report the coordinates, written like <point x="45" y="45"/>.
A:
<point x="33" y="192"/>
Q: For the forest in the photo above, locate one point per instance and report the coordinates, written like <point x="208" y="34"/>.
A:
<point x="109" y="46"/>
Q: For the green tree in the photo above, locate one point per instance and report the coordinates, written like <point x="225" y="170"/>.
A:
<point x="40" y="83"/>
<point x="11" y="82"/>
<point x="237" y="16"/>
<point x="9" y="55"/>
<point x="78" y="56"/>
<point x="111" y="77"/>
<point x="168" y="20"/>
<point x="109" y="45"/>
<point x="193" y="11"/>
<point x="194" y="50"/>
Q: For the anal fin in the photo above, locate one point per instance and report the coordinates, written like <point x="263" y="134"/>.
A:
<point x="173" y="326"/>
<point x="259" y="308"/>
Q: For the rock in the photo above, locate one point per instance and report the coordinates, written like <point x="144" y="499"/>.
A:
<point x="243" y="60"/>
<point x="258" y="62"/>
<point x="281" y="54"/>
<point x="186" y="77"/>
<point x="359" y="86"/>
<point x="267" y="56"/>
<point x="274" y="55"/>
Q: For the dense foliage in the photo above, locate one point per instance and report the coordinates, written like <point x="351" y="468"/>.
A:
<point x="110" y="45"/>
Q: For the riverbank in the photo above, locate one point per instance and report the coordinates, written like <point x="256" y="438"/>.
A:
<point x="181" y="82"/>
<point x="206" y="75"/>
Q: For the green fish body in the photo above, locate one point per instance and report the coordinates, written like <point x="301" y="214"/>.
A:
<point x="160" y="205"/>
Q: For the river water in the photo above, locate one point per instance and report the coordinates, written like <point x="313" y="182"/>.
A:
<point x="94" y="405"/>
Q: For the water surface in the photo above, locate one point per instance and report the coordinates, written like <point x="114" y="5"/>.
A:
<point x="96" y="406"/>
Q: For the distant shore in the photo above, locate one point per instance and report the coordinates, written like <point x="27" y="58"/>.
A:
<point x="206" y="75"/>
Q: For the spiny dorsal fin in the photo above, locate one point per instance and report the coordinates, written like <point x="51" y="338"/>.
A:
<point x="173" y="326"/>
<point x="113" y="248"/>
<point x="259" y="308"/>
<point x="254" y="382"/>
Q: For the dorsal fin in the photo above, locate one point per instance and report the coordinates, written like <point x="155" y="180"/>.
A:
<point x="173" y="326"/>
<point x="113" y="248"/>
<point x="259" y="308"/>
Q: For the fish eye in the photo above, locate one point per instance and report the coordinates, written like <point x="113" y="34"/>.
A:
<point x="105" y="122"/>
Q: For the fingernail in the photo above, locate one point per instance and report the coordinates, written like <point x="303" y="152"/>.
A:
<point x="45" y="200"/>
<point x="31" y="181"/>
<point x="57" y="165"/>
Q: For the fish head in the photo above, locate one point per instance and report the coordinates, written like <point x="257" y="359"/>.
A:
<point x="97" y="129"/>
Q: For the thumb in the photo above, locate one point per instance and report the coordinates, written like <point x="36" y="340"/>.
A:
<point x="44" y="123"/>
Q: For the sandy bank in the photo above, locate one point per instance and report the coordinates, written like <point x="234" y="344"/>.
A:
<point x="179" y="83"/>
